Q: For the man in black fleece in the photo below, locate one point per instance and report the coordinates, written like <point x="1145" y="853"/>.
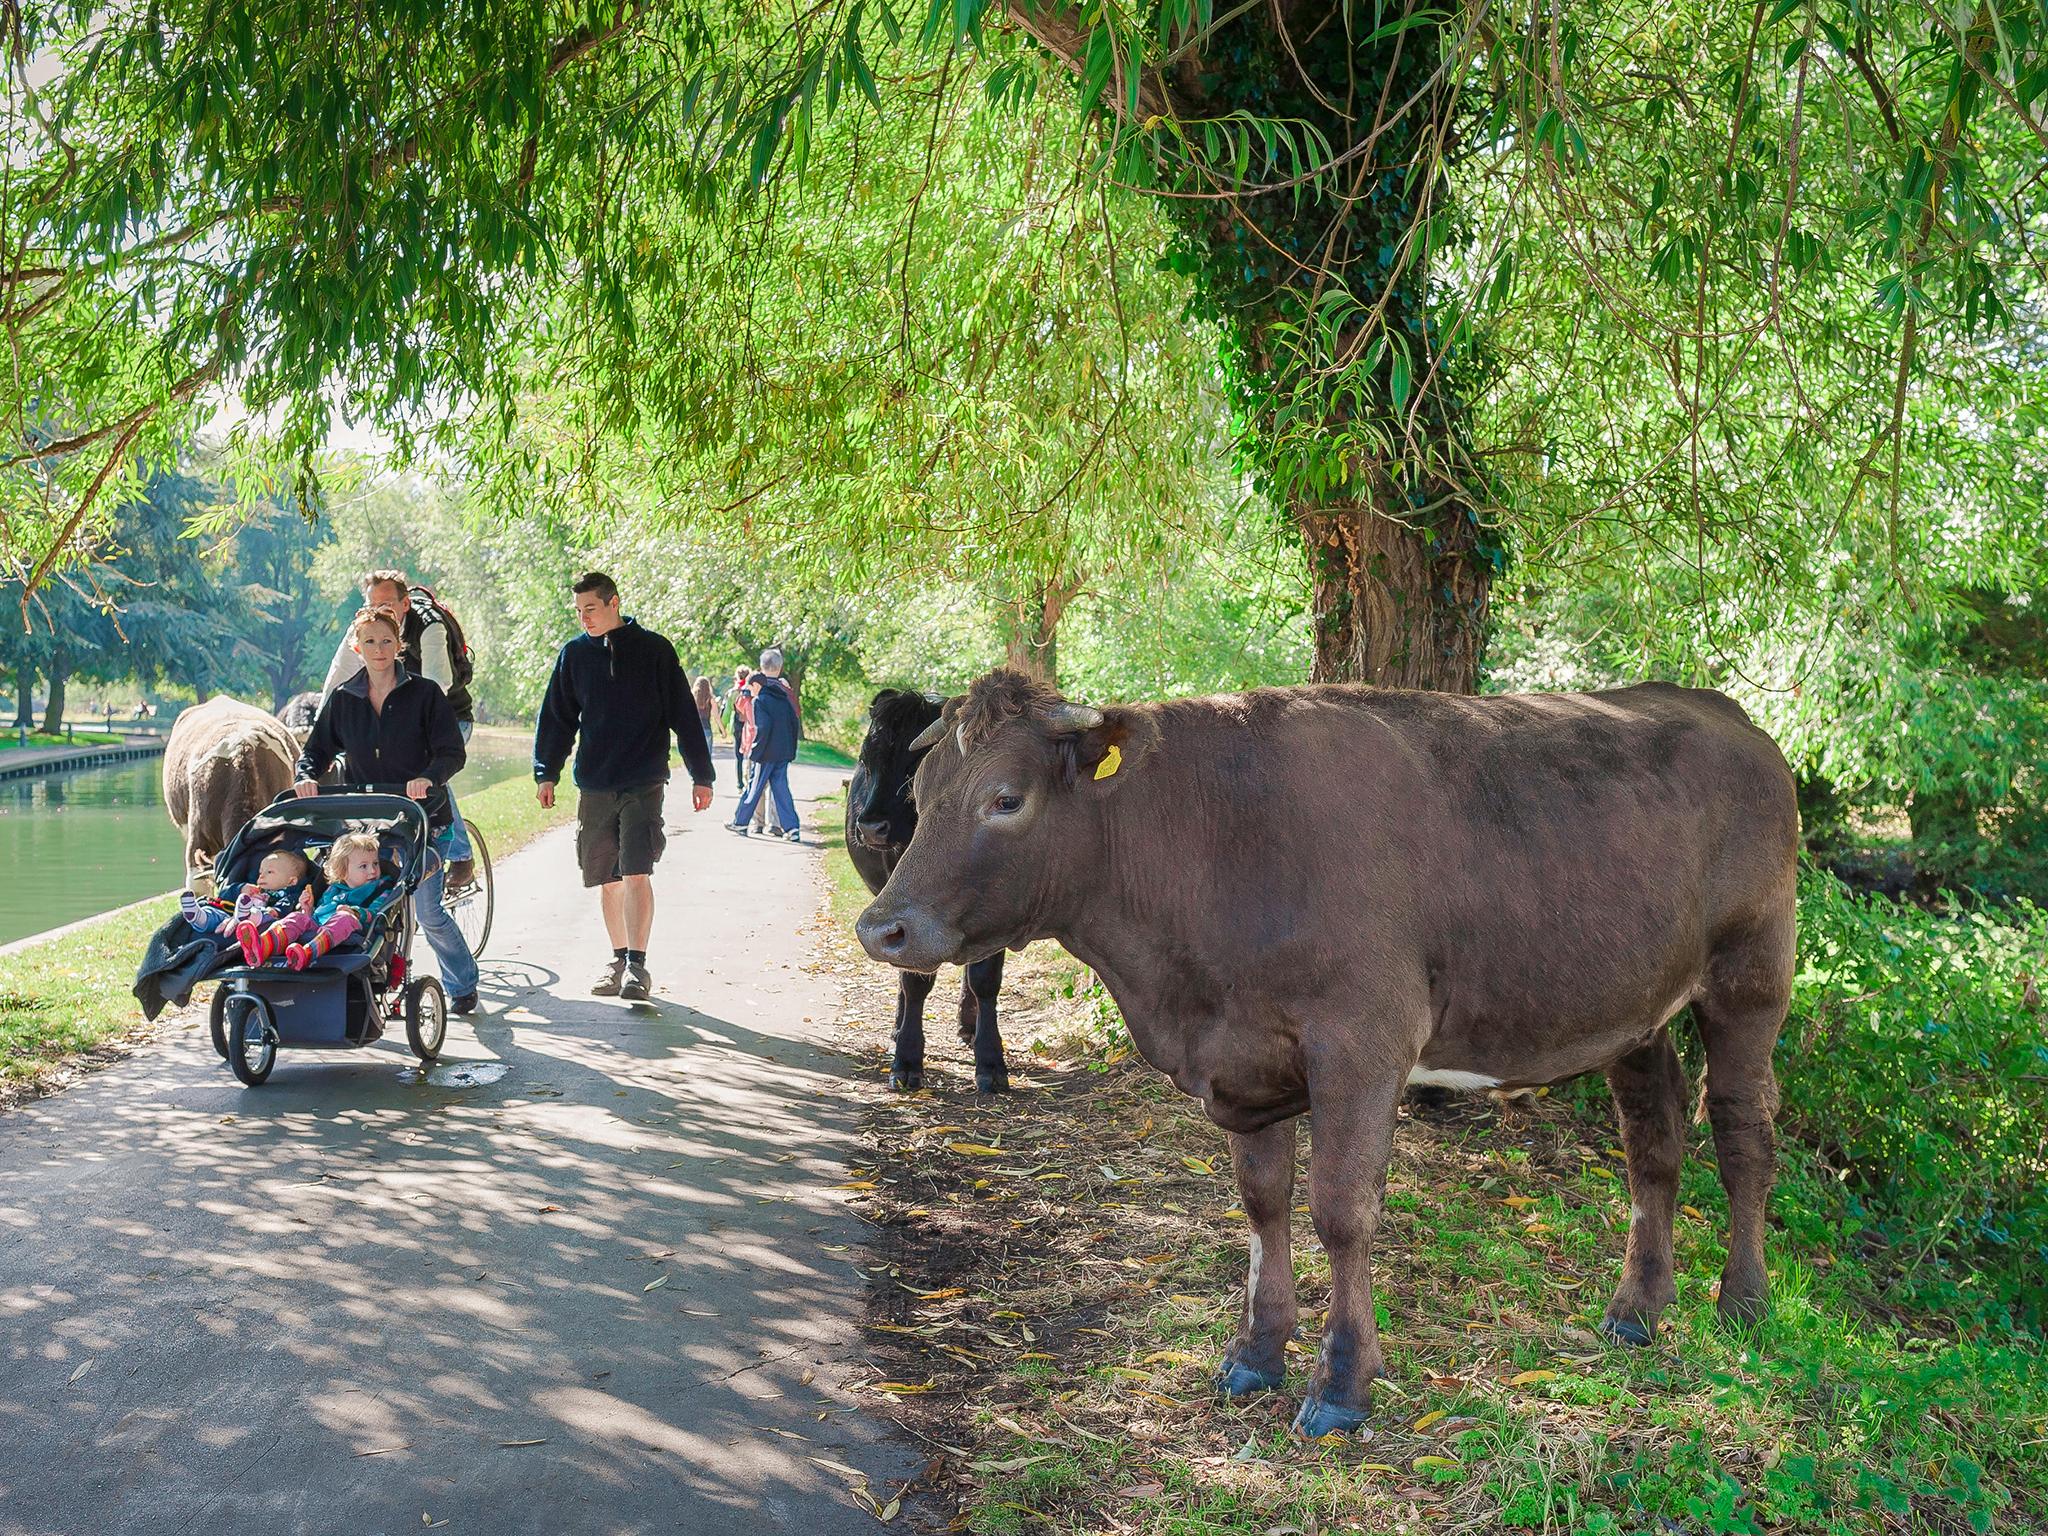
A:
<point x="622" y="688"/>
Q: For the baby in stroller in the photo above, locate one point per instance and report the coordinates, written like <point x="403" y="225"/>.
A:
<point x="357" y="889"/>
<point x="282" y="882"/>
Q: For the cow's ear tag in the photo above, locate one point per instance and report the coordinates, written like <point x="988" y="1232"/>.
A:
<point x="1112" y="760"/>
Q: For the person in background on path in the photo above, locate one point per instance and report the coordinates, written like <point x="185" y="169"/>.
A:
<point x="743" y="738"/>
<point x="707" y="710"/>
<point x="395" y="728"/>
<point x="433" y="648"/>
<point x="618" y="693"/>
<point x="774" y="749"/>
<point x="741" y="724"/>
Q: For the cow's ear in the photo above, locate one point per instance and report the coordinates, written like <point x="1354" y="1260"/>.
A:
<point x="1106" y="754"/>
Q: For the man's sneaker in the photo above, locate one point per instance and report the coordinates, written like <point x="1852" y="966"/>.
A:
<point x="462" y="872"/>
<point x="637" y="984"/>
<point x="794" y="835"/>
<point x="465" y="1003"/>
<point x="610" y="979"/>
<point x="733" y="826"/>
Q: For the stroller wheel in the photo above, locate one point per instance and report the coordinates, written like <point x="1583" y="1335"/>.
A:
<point x="426" y="1017"/>
<point x="252" y="1040"/>
<point x="217" y="1020"/>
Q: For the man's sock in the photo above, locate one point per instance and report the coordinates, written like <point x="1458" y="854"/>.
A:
<point x="635" y="956"/>
<point x="621" y="954"/>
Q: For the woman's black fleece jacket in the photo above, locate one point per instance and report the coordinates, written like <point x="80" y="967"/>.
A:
<point x="624" y="694"/>
<point x="415" y="737"/>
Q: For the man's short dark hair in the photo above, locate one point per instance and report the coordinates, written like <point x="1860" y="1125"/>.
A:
<point x="606" y="589"/>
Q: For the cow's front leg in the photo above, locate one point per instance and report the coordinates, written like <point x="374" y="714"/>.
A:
<point x="1257" y="1359"/>
<point x="1352" y="1131"/>
<point x="912" y="988"/>
<point x="984" y="980"/>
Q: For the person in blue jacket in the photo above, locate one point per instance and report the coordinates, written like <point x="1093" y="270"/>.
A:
<point x="618" y="693"/>
<point x="775" y="733"/>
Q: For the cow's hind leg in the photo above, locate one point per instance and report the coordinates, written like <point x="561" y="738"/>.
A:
<point x="1649" y="1094"/>
<point x="1257" y="1358"/>
<point x="1353" y="1141"/>
<point x="1740" y="1013"/>
<point x="912" y="988"/>
<point x="978" y="994"/>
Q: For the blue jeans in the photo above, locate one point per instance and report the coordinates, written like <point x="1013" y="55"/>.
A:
<point x="769" y="778"/>
<point x="458" y="965"/>
<point x="454" y="843"/>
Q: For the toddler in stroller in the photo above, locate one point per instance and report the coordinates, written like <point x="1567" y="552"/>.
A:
<point x="357" y="889"/>
<point x="283" y="881"/>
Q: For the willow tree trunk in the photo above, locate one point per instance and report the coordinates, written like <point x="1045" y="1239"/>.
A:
<point x="1394" y="605"/>
<point x="1032" y="627"/>
<point x="25" y="697"/>
<point x="53" y="710"/>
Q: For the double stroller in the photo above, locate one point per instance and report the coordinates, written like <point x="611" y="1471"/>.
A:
<point x="343" y="999"/>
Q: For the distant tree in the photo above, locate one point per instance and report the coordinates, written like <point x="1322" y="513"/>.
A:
<point x="292" y="623"/>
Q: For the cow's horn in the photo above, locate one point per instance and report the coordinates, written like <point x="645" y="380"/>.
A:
<point x="929" y="736"/>
<point x="1066" y="719"/>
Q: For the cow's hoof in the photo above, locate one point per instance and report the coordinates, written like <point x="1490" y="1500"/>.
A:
<point x="1236" y="1379"/>
<point x="1626" y="1330"/>
<point x="991" y="1082"/>
<point x="967" y="1029"/>
<point x="906" y="1082"/>
<point x="1318" y="1418"/>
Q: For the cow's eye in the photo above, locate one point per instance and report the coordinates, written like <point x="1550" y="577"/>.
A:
<point x="1006" y="804"/>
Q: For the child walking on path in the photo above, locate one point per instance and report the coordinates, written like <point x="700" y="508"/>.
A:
<point x="311" y="930"/>
<point x="281" y="879"/>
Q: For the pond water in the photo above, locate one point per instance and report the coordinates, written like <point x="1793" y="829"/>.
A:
<point x="75" y="844"/>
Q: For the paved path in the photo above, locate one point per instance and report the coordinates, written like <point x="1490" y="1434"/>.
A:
<point x="326" y="1304"/>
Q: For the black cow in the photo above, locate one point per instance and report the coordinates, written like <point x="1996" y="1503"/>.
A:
<point x="880" y="821"/>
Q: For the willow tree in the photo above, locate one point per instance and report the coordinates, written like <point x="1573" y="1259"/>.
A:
<point x="999" y="391"/>
<point x="311" y="202"/>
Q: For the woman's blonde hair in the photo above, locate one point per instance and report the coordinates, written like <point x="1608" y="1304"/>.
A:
<point x="365" y="616"/>
<point x="347" y="844"/>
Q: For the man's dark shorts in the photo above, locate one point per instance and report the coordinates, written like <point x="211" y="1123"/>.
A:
<point x="618" y="832"/>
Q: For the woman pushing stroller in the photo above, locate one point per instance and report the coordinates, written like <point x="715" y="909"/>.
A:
<point x="397" y="728"/>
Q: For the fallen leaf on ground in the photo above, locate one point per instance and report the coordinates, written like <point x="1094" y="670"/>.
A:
<point x="1429" y="1418"/>
<point x="1530" y="1378"/>
<point x="386" y="1450"/>
<point x="515" y="1444"/>
<point x="1141" y="1490"/>
<point x="80" y="1372"/>
<point x="1435" y="1461"/>
<point x="975" y="1149"/>
<point x="1516" y="1202"/>
<point x="900" y="1389"/>
<point x="655" y="1284"/>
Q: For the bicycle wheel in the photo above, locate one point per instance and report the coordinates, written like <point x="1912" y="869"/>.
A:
<point x="472" y="902"/>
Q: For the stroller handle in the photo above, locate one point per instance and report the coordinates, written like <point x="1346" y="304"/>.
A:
<point x="434" y="803"/>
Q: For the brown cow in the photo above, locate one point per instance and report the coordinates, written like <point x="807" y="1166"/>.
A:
<point x="224" y="762"/>
<point x="1304" y="898"/>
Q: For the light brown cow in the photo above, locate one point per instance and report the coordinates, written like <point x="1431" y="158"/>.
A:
<point x="225" y="761"/>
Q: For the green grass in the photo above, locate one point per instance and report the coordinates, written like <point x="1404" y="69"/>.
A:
<point x="70" y="995"/>
<point x="821" y="754"/>
<point x="12" y="741"/>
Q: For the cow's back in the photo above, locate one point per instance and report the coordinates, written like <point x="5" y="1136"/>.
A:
<point x="1555" y="863"/>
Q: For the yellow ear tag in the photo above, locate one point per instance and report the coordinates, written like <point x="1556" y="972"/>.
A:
<point x="1112" y="760"/>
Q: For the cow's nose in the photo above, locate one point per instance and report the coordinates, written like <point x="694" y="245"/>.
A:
<point x="874" y="833"/>
<point x="885" y="942"/>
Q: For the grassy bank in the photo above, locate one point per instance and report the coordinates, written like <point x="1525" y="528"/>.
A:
<point x="66" y="998"/>
<point x="12" y="741"/>
<point x="1060" y="1272"/>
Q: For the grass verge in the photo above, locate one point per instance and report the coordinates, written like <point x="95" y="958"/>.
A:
<point x="1059" y="1272"/>
<point x="66" y="1004"/>
<point x="12" y="741"/>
